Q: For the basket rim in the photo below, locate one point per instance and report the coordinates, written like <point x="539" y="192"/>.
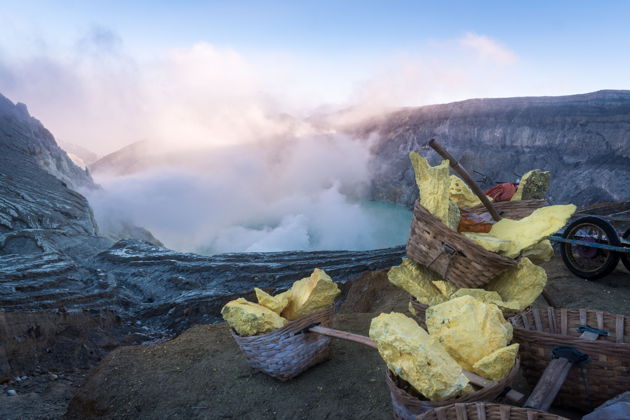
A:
<point x="488" y="406"/>
<point x="498" y="384"/>
<point x="294" y="325"/>
<point x="575" y="340"/>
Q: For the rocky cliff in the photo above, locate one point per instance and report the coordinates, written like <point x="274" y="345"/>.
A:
<point x="584" y="140"/>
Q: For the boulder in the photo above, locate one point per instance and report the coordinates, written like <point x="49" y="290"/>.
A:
<point x="311" y="294"/>
<point x="249" y="318"/>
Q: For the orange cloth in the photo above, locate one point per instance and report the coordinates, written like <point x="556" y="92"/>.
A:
<point x="502" y="192"/>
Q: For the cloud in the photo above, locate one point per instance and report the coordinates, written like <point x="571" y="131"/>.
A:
<point x="488" y="49"/>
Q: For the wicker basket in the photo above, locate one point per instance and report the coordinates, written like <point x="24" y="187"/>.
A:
<point x="485" y="411"/>
<point x="451" y="255"/>
<point x="511" y="209"/>
<point x="606" y="375"/>
<point x="407" y="406"/>
<point x="421" y="310"/>
<point x="285" y="353"/>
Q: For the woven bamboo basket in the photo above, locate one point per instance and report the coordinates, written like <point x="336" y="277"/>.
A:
<point x="287" y="352"/>
<point x="421" y="310"/>
<point x="407" y="406"/>
<point x="607" y="374"/>
<point x="450" y="254"/>
<point x="486" y="411"/>
<point x="511" y="209"/>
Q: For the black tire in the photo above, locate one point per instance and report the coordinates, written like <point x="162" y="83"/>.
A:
<point x="606" y="260"/>
<point x="625" y="257"/>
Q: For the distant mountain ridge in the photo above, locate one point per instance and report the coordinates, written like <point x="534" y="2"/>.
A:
<point x="584" y="140"/>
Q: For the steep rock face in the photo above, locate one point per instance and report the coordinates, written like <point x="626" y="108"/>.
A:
<point x="584" y="140"/>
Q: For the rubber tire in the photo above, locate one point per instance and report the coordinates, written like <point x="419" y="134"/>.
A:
<point x="613" y="257"/>
<point x="625" y="257"/>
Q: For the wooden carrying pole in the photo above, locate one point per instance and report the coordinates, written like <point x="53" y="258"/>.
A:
<point x="461" y="171"/>
<point x="552" y="380"/>
<point x="361" y="339"/>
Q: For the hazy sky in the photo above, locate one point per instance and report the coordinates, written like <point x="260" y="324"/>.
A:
<point x="106" y="73"/>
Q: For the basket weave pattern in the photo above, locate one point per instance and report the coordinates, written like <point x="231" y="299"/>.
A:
<point x="450" y="254"/>
<point x="485" y="411"/>
<point x="540" y="330"/>
<point x="286" y="352"/>
<point x="511" y="209"/>
<point x="407" y="406"/>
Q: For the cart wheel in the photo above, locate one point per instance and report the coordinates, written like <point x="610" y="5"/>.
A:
<point x="625" y="257"/>
<point x="589" y="262"/>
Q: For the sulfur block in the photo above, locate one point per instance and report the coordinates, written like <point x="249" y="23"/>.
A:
<point x="534" y="185"/>
<point x="445" y="288"/>
<point x="533" y="228"/>
<point x="417" y="281"/>
<point x="468" y="328"/>
<point x="433" y="183"/>
<point x="414" y="356"/>
<point x="462" y="195"/>
<point x="521" y="285"/>
<point x="275" y="303"/>
<point x="485" y="296"/>
<point x="311" y="294"/>
<point x="539" y="253"/>
<point x="489" y="242"/>
<point x="248" y="318"/>
<point x="497" y="364"/>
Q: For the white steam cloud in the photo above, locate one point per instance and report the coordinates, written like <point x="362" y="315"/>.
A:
<point x="230" y="162"/>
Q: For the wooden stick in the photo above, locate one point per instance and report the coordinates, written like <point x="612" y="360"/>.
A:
<point x="361" y="339"/>
<point x="466" y="177"/>
<point x="552" y="379"/>
<point x="549" y="299"/>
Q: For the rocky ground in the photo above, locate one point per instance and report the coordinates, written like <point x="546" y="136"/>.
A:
<point x="201" y="373"/>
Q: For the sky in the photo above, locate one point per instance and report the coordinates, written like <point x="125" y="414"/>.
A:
<point x="104" y="74"/>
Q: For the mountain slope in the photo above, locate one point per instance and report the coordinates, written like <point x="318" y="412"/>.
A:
<point x="584" y="140"/>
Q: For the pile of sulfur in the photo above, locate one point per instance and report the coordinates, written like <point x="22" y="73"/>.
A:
<point x="464" y="334"/>
<point x="311" y="294"/>
<point x="446" y="197"/>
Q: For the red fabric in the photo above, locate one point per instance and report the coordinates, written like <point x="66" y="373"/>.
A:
<point x="502" y="192"/>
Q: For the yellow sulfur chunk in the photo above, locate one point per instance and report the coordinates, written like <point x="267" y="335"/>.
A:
<point x="446" y="288"/>
<point x="249" y="318"/>
<point x="468" y="328"/>
<point x="483" y="295"/>
<point x="311" y="294"/>
<point x="509" y="306"/>
<point x="534" y="185"/>
<point x="275" y="303"/>
<point x="539" y="253"/>
<point x="417" y="281"/>
<point x="498" y="364"/>
<point x="462" y="195"/>
<point x="414" y="356"/>
<point x="489" y="242"/>
<point x="521" y="285"/>
<point x="531" y="229"/>
<point x="433" y="183"/>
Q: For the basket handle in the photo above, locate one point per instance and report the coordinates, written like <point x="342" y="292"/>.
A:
<point x="466" y="177"/>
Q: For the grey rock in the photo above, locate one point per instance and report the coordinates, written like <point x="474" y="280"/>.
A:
<point x="584" y="140"/>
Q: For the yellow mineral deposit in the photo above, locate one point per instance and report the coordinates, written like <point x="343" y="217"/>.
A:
<point x="414" y="356"/>
<point x="531" y="229"/>
<point x="446" y="288"/>
<point x="433" y="184"/>
<point x="468" y="329"/>
<point x="485" y="296"/>
<point x="311" y="294"/>
<point x="249" y="318"/>
<point x="489" y="242"/>
<point x="462" y="195"/>
<point x="497" y="364"/>
<point x="534" y="185"/>
<point x="521" y="285"/>
<point x="539" y="253"/>
<point x="275" y="303"/>
<point x="417" y="281"/>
